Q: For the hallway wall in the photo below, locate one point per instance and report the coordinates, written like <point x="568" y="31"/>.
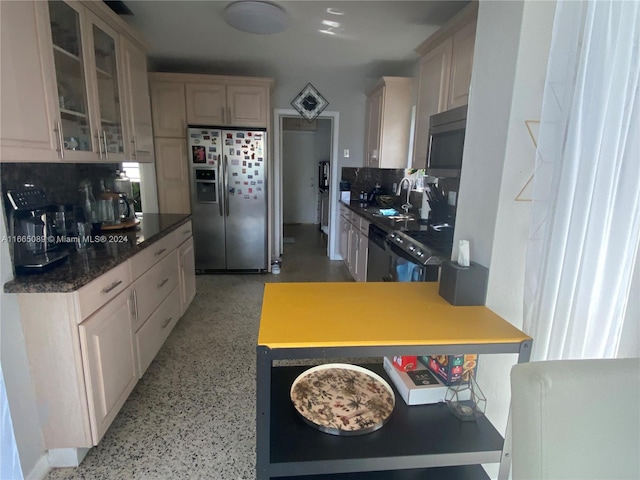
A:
<point x="301" y="152"/>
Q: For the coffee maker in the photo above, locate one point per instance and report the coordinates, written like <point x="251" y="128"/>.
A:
<point x="33" y="232"/>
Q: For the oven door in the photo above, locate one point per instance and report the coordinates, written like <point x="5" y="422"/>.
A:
<point x="403" y="269"/>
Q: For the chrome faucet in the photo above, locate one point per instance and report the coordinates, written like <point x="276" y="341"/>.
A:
<point x="406" y="206"/>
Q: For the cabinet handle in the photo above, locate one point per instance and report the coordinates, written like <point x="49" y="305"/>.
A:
<point x="163" y="283"/>
<point x="134" y="154"/>
<point x="186" y="232"/>
<point x="229" y="112"/>
<point x="60" y="149"/>
<point x="104" y="140"/>
<point x="166" y="322"/>
<point x="160" y="252"/>
<point x="111" y="287"/>
<point x="134" y="301"/>
<point x="99" y="145"/>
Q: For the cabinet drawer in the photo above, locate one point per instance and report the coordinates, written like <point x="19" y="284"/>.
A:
<point x="151" y="255"/>
<point x="155" y="331"/>
<point x="153" y="287"/>
<point x="364" y="227"/>
<point x="182" y="233"/>
<point x="94" y="295"/>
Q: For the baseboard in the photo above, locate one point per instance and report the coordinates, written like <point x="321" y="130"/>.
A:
<point x="66" y="457"/>
<point x="40" y="470"/>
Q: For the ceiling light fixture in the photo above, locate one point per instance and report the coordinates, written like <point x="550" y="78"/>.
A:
<point x="334" y="11"/>
<point x="328" y="31"/>
<point x="331" y="24"/>
<point x="256" y="17"/>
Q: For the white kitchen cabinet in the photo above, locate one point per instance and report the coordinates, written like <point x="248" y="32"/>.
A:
<point x="137" y="102"/>
<point x="187" y="267"/>
<point x="345" y="226"/>
<point x="461" y="65"/>
<point x="433" y="95"/>
<point x="352" y="255"/>
<point x="444" y="75"/>
<point x="62" y="82"/>
<point x="172" y="174"/>
<point x="27" y="117"/>
<point x="248" y="105"/>
<point x="87" y="348"/>
<point x="157" y="328"/>
<point x="206" y="104"/>
<point x="218" y="104"/>
<point x="354" y="243"/>
<point x="168" y="108"/>
<point x="388" y="123"/>
<point x="109" y="358"/>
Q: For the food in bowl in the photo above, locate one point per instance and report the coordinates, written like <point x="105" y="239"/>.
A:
<point x="385" y="200"/>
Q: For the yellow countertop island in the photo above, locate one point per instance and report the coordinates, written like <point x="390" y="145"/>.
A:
<point x="312" y="315"/>
<point x="347" y="320"/>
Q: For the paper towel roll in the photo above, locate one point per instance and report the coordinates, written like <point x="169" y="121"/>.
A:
<point x="463" y="253"/>
<point x="426" y="208"/>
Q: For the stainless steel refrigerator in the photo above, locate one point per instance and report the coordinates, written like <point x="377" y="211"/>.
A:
<point x="229" y="198"/>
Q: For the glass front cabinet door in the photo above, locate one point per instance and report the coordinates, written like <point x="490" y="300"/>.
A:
<point x="90" y="126"/>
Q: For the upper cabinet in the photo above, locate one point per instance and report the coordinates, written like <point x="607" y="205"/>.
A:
<point x="230" y="101"/>
<point x="444" y="75"/>
<point x="139" y="127"/>
<point x="77" y="90"/>
<point x="388" y="120"/>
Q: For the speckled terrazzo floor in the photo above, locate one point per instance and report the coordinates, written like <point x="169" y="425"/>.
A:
<point x="192" y="415"/>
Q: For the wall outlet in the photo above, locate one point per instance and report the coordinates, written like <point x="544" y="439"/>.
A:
<point x="453" y="196"/>
<point x="395" y="187"/>
<point x="346" y="153"/>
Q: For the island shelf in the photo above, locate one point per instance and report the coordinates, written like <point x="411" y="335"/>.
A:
<point x="349" y="320"/>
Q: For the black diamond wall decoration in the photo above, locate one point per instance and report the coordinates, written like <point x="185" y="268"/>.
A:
<point x="309" y="103"/>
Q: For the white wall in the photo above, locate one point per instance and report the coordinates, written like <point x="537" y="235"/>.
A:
<point x="15" y="367"/>
<point x="510" y="62"/>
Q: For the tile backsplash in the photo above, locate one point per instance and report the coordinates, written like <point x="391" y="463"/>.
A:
<point x="59" y="181"/>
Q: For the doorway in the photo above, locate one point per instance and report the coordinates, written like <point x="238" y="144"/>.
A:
<point x="298" y="149"/>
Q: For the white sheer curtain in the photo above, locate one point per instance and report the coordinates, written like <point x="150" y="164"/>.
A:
<point x="585" y="225"/>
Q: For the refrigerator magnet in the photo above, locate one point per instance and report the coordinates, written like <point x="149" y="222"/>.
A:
<point x="255" y="197"/>
<point x="198" y="154"/>
<point x="259" y="182"/>
<point x="247" y="197"/>
<point x="240" y="135"/>
<point x="247" y="141"/>
<point x="237" y="182"/>
<point x="249" y="177"/>
<point x="212" y="149"/>
<point x="234" y="174"/>
<point x="229" y="135"/>
<point x="238" y="141"/>
<point x="246" y="183"/>
<point x="250" y="165"/>
<point x="250" y="190"/>
<point x="232" y="190"/>
<point x="246" y="157"/>
<point x="244" y="170"/>
<point x="244" y="164"/>
<point x="231" y="151"/>
<point x="215" y="134"/>
<point x="239" y="192"/>
<point x="228" y="142"/>
<point x="209" y="155"/>
<point x="206" y="137"/>
<point x="256" y="172"/>
<point x="249" y="134"/>
<point x="195" y="135"/>
<point x="235" y="162"/>
<point x="237" y="153"/>
<point x="258" y="189"/>
<point x="253" y="182"/>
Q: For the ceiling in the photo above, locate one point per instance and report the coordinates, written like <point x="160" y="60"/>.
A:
<point x="374" y="37"/>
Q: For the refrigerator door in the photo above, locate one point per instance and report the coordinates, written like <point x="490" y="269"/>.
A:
<point x="207" y="198"/>
<point x="244" y="161"/>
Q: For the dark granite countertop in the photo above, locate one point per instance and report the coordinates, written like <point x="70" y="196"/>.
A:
<point x="372" y="214"/>
<point x="86" y="265"/>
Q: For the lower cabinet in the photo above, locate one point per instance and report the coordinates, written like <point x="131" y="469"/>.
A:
<point x="354" y="243"/>
<point x="157" y="328"/>
<point x="187" y="267"/>
<point x="88" y="348"/>
<point x="110" y="367"/>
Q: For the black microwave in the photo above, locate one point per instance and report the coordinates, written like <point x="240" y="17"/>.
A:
<point x="446" y="142"/>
